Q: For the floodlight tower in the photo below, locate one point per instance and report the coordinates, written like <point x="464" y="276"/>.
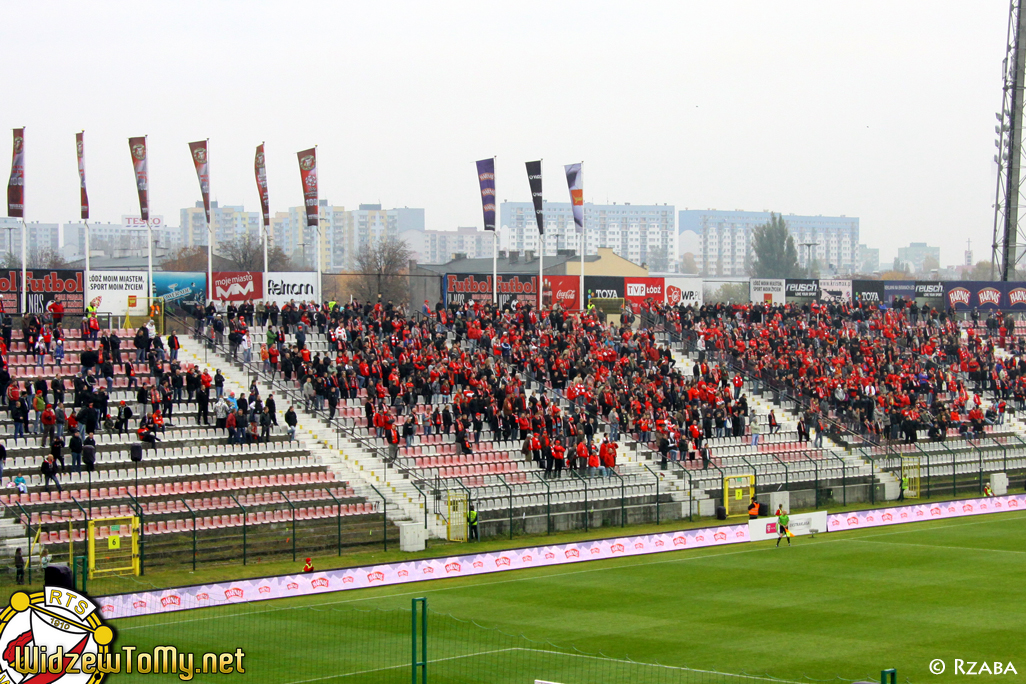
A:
<point x="1005" y="250"/>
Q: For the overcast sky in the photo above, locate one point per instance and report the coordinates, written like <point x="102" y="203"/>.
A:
<point x="881" y="110"/>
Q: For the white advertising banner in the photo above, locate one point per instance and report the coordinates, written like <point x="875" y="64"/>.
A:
<point x="801" y="523"/>
<point x="917" y="512"/>
<point x="243" y="591"/>
<point x="117" y="292"/>
<point x="835" y="290"/>
<point x="283" y="287"/>
<point x="343" y="579"/>
<point x="768" y="291"/>
<point x="684" y="291"/>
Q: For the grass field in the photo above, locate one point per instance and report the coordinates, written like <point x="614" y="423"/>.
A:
<point x="841" y="605"/>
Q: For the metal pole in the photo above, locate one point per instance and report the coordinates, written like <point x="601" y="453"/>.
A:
<point x="541" y="269"/>
<point x="503" y="481"/>
<point x="24" y="268"/>
<point x="657" y="491"/>
<point x="548" y="501"/>
<point x="193" y="514"/>
<point x="338" y="518"/>
<point x="1014" y="92"/>
<point x="210" y="260"/>
<point x="317" y="257"/>
<point x="384" y="516"/>
<point x="286" y="497"/>
<point x="244" y="522"/>
<point x="86" y="229"/>
<point x="495" y="266"/>
<point x="149" y="263"/>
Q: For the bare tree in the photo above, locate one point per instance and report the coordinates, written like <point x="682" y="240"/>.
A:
<point x="43" y="258"/>
<point x="382" y="270"/>
<point x="47" y="258"/>
<point x="186" y="259"/>
<point x="246" y="253"/>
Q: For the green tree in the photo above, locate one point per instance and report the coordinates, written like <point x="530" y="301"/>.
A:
<point x="981" y="271"/>
<point x="774" y="251"/>
<point x="687" y="263"/>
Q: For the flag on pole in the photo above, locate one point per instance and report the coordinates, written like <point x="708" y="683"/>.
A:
<point x="142" y="179"/>
<point x="200" y="159"/>
<point x="16" y="185"/>
<point x="534" y="177"/>
<point x="308" y="174"/>
<point x="575" y="181"/>
<point x="80" y="151"/>
<point x="486" y="177"/>
<point x="261" y="181"/>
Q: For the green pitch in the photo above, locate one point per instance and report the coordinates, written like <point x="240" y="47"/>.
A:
<point x="841" y="605"/>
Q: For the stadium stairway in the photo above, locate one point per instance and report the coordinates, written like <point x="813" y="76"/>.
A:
<point x="193" y="466"/>
<point x="780" y="460"/>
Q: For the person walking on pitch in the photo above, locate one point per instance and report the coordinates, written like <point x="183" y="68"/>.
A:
<point x="783" y="520"/>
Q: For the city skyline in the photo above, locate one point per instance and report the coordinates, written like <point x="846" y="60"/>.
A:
<point x="840" y="131"/>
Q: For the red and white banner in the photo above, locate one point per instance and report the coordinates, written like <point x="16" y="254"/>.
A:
<point x="283" y="586"/>
<point x="16" y="185"/>
<point x="260" y="169"/>
<point x="80" y="151"/>
<point x="198" y="150"/>
<point x="142" y="178"/>
<point x="684" y="291"/>
<point x="237" y="286"/>
<point x="917" y="512"/>
<point x="637" y="290"/>
<point x="562" y="290"/>
<point x="308" y="174"/>
<point x="244" y="591"/>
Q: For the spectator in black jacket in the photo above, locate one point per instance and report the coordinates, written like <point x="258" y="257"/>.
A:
<point x="291" y="421"/>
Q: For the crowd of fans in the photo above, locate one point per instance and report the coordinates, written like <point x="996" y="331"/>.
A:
<point x="879" y="372"/>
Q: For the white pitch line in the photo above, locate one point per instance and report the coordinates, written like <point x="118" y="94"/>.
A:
<point x="934" y="546"/>
<point x="396" y="667"/>
<point x="666" y="667"/>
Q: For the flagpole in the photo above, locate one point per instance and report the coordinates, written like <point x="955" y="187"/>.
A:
<point x="24" y="264"/>
<point x="263" y="222"/>
<point x="149" y="253"/>
<point x="210" y="232"/>
<point x="495" y="251"/>
<point x="541" y="270"/>
<point x="86" y="223"/>
<point x="541" y="253"/>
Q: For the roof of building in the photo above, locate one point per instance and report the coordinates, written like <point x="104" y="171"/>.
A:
<point x="503" y="265"/>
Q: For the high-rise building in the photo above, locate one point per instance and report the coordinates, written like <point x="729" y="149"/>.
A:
<point x="40" y="237"/>
<point x="642" y="233"/>
<point x="229" y="223"/>
<point x="916" y="255"/>
<point x="130" y="238"/>
<point x="439" y="246"/>
<point x="869" y="257"/>
<point x="831" y="242"/>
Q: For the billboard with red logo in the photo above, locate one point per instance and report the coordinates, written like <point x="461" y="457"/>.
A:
<point x="683" y="291"/>
<point x="237" y="286"/>
<point x="467" y="287"/>
<point x="562" y="290"/>
<point x="963" y="295"/>
<point x="637" y="290"/>
<point x="45" y="287"/>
